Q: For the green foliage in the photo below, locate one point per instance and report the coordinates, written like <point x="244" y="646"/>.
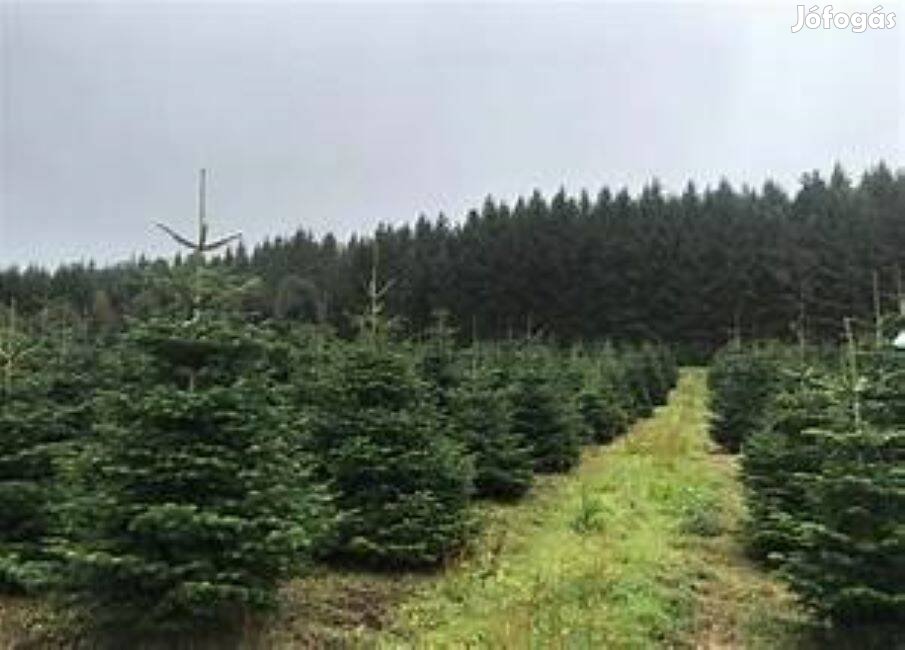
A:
<point x="543" y="419"/>
<point x="182" y="291"/>
<point x="740" y="387"/>
<point x="825" y="487"/>
<point x="780" y="457"/>
<point x="702" y="514"/>
<point x="883" y="391"/>
<point x="637" y="383"/>
<point x="614" y="383"/>
<point x="849" y="563"/>
<point x="591" y="409"/>
<point x="589" y="516"/>
<point x="676" y="268"/>
<point x="44" y="414"/>
<point x="657" y="378"/>
<point x="298" y="298"/>
<point x="481" y="417"/>
<point x="437" y="364"/>
<point x="601" y="413"/>
<point x="402" y="483"/>
<point x="190" y="504"/>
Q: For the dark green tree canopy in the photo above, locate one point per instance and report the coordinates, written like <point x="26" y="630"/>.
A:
<point x="688" y="269"/>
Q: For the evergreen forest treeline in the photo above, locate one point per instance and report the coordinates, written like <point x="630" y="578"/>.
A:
<point x="684" y="269"/>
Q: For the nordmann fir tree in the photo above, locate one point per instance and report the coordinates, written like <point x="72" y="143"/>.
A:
<point x="580" y="403"/>
<point x="656" y="375"/>
<point x="401" y="482"/>
<point x="740" y="382"/>
<point x="636" y="378"/>
<point x="603" y="416"/>
<point x="824" y="487"/>
<point x="44" y="416"/>
<point x="437" y="361"/>
<point x="613" y="377"/>
<point x="541" y="418"/>
<point x="190" y="504"/>
<point x="481" y="412"/>
<point x="782" y="456"/>
<point x="848" y="563"/>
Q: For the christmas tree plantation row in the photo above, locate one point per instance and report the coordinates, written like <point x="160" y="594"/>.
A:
<point x="822" y="438"/>
<point x="176" y="472"/>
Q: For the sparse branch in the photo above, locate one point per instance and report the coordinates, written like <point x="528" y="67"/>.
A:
<point x="199" y="247"/>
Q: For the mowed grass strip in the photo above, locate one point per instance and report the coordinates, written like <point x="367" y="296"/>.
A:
<point x="637" y="549"/>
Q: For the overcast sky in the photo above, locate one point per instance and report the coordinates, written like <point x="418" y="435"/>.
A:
<point x="337" y="117"/>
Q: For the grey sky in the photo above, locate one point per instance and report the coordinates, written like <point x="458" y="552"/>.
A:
<point x="337" y="117"/>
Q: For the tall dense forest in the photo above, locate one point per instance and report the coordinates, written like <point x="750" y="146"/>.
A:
<point x="689" y="269"/>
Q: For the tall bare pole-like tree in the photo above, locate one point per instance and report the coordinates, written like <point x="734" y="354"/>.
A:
<point x="878" y="310"/>
<point x="900" y="290"/>
<point x="201" y="246"/>
<point x="376" y="294"/>
<point x="854" y="378"/>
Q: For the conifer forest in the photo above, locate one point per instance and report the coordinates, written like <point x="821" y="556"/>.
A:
<point x="578" y="421"/>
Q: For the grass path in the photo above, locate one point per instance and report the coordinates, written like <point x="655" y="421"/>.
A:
<point x="636" y="549"/>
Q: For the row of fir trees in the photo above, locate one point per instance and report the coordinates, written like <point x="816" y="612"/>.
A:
<point x="683" y="268"/>
<point x="822" y="437"/>
<point x="174" y="470"/>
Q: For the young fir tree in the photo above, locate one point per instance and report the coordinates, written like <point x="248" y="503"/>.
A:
<point x="437" y="364"/>
<point x="603" y="416"/>
<point x="848" y="560"/>
<point x="781" y="458"/>
<point x="615" y="384"/>
<point x="636" y="381"/>
<point x="824" y="486"/>
<point x="591" y="409"/>
<point x="656" y="379"/>
<point x="542" y="418"/>
<point x="44" y="415"/>
<point x="481" y="416"/>
<point x="741" y="382"/>
<point x="191" y="503"/>
<point x="401" y="482"/>
<point x="883" y="393"/>
<point x="577" y="385"/>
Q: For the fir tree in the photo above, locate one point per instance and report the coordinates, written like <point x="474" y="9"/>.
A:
<point x="481" y="415"/>
<point x="636" y="378"/>
<point x="191" y="504"/>
<point x="45" y="415"/>
<point x="402" y="484"/>
<point x="781" y="457"/>
<point x="542" y="420"/>
<point x="741" y="382"/>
